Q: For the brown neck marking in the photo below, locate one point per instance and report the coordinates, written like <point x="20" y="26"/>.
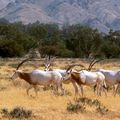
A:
<point x="25" y="76"/>
<point x="76" y="77"/>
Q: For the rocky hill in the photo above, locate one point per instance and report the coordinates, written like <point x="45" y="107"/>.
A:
<point x="101" y="14"/>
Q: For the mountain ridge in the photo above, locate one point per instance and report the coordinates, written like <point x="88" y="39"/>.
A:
<point x="103" y="15"/>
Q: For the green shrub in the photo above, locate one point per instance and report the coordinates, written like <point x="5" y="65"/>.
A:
<point x="17" y="112"/>
<point x="82" y="103"/>
<point x="75" y="107"/>
<point x="102" y="110"/>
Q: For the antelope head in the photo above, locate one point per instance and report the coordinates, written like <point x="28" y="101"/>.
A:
<point x="17" y="71"/>
<point x="70" y="70"/>
<point x="47" y="63"/>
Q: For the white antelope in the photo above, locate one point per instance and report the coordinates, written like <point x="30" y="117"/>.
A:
<point x="39" y="77"/>
<point x="87" y="78"/>
<point x="63" y="72"/>
<point x="112" y="77"/>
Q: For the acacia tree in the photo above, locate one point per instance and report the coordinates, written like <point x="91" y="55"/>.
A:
<point x="82" y="40"/>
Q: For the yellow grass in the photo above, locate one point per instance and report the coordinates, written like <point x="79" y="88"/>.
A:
<point x="48" y="106"/>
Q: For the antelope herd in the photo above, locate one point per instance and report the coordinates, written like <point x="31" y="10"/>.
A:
<point x="100" y="78"/>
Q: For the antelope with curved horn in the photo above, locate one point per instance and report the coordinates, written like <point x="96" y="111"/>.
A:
<point x="63" y="72"/>
<point x="39" y="77"/>
<point x="68" y="71"/>
<point x="88" y="78"/>
<point x="112" y="78"/>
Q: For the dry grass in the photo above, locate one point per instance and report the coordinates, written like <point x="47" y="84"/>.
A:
<point x="48" y="106"/>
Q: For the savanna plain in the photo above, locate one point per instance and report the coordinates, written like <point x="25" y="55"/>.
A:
<point x="47" y="106"/>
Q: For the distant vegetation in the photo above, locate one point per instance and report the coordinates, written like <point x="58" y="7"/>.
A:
<point x="69" y="41"/>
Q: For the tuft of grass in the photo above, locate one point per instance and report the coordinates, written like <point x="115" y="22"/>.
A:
<point x="82" y="103"/>
<point x="17" y="112"/>
<point x="13" y="65"/>
<point x="2" y="64"/>
<point x="2" y="88"/>
<point x="5" y="112"/>
<point x="75" y="107"/>
<point x="102" y="110"/>
<point x="66" y="93"/>
<point x="89" y="101"/>
<point x="49" y="87"/>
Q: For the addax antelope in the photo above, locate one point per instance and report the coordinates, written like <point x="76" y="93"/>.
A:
<point x="39" y="77"/>
<point x="112" y="78"/>
<point x="85" y="77"/>
<point x="63" y="72"/>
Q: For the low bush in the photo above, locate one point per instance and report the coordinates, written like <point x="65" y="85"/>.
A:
<point x="75" y="107"/>
<point x="17" y="112"/>
<point x="82" y="103"/>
